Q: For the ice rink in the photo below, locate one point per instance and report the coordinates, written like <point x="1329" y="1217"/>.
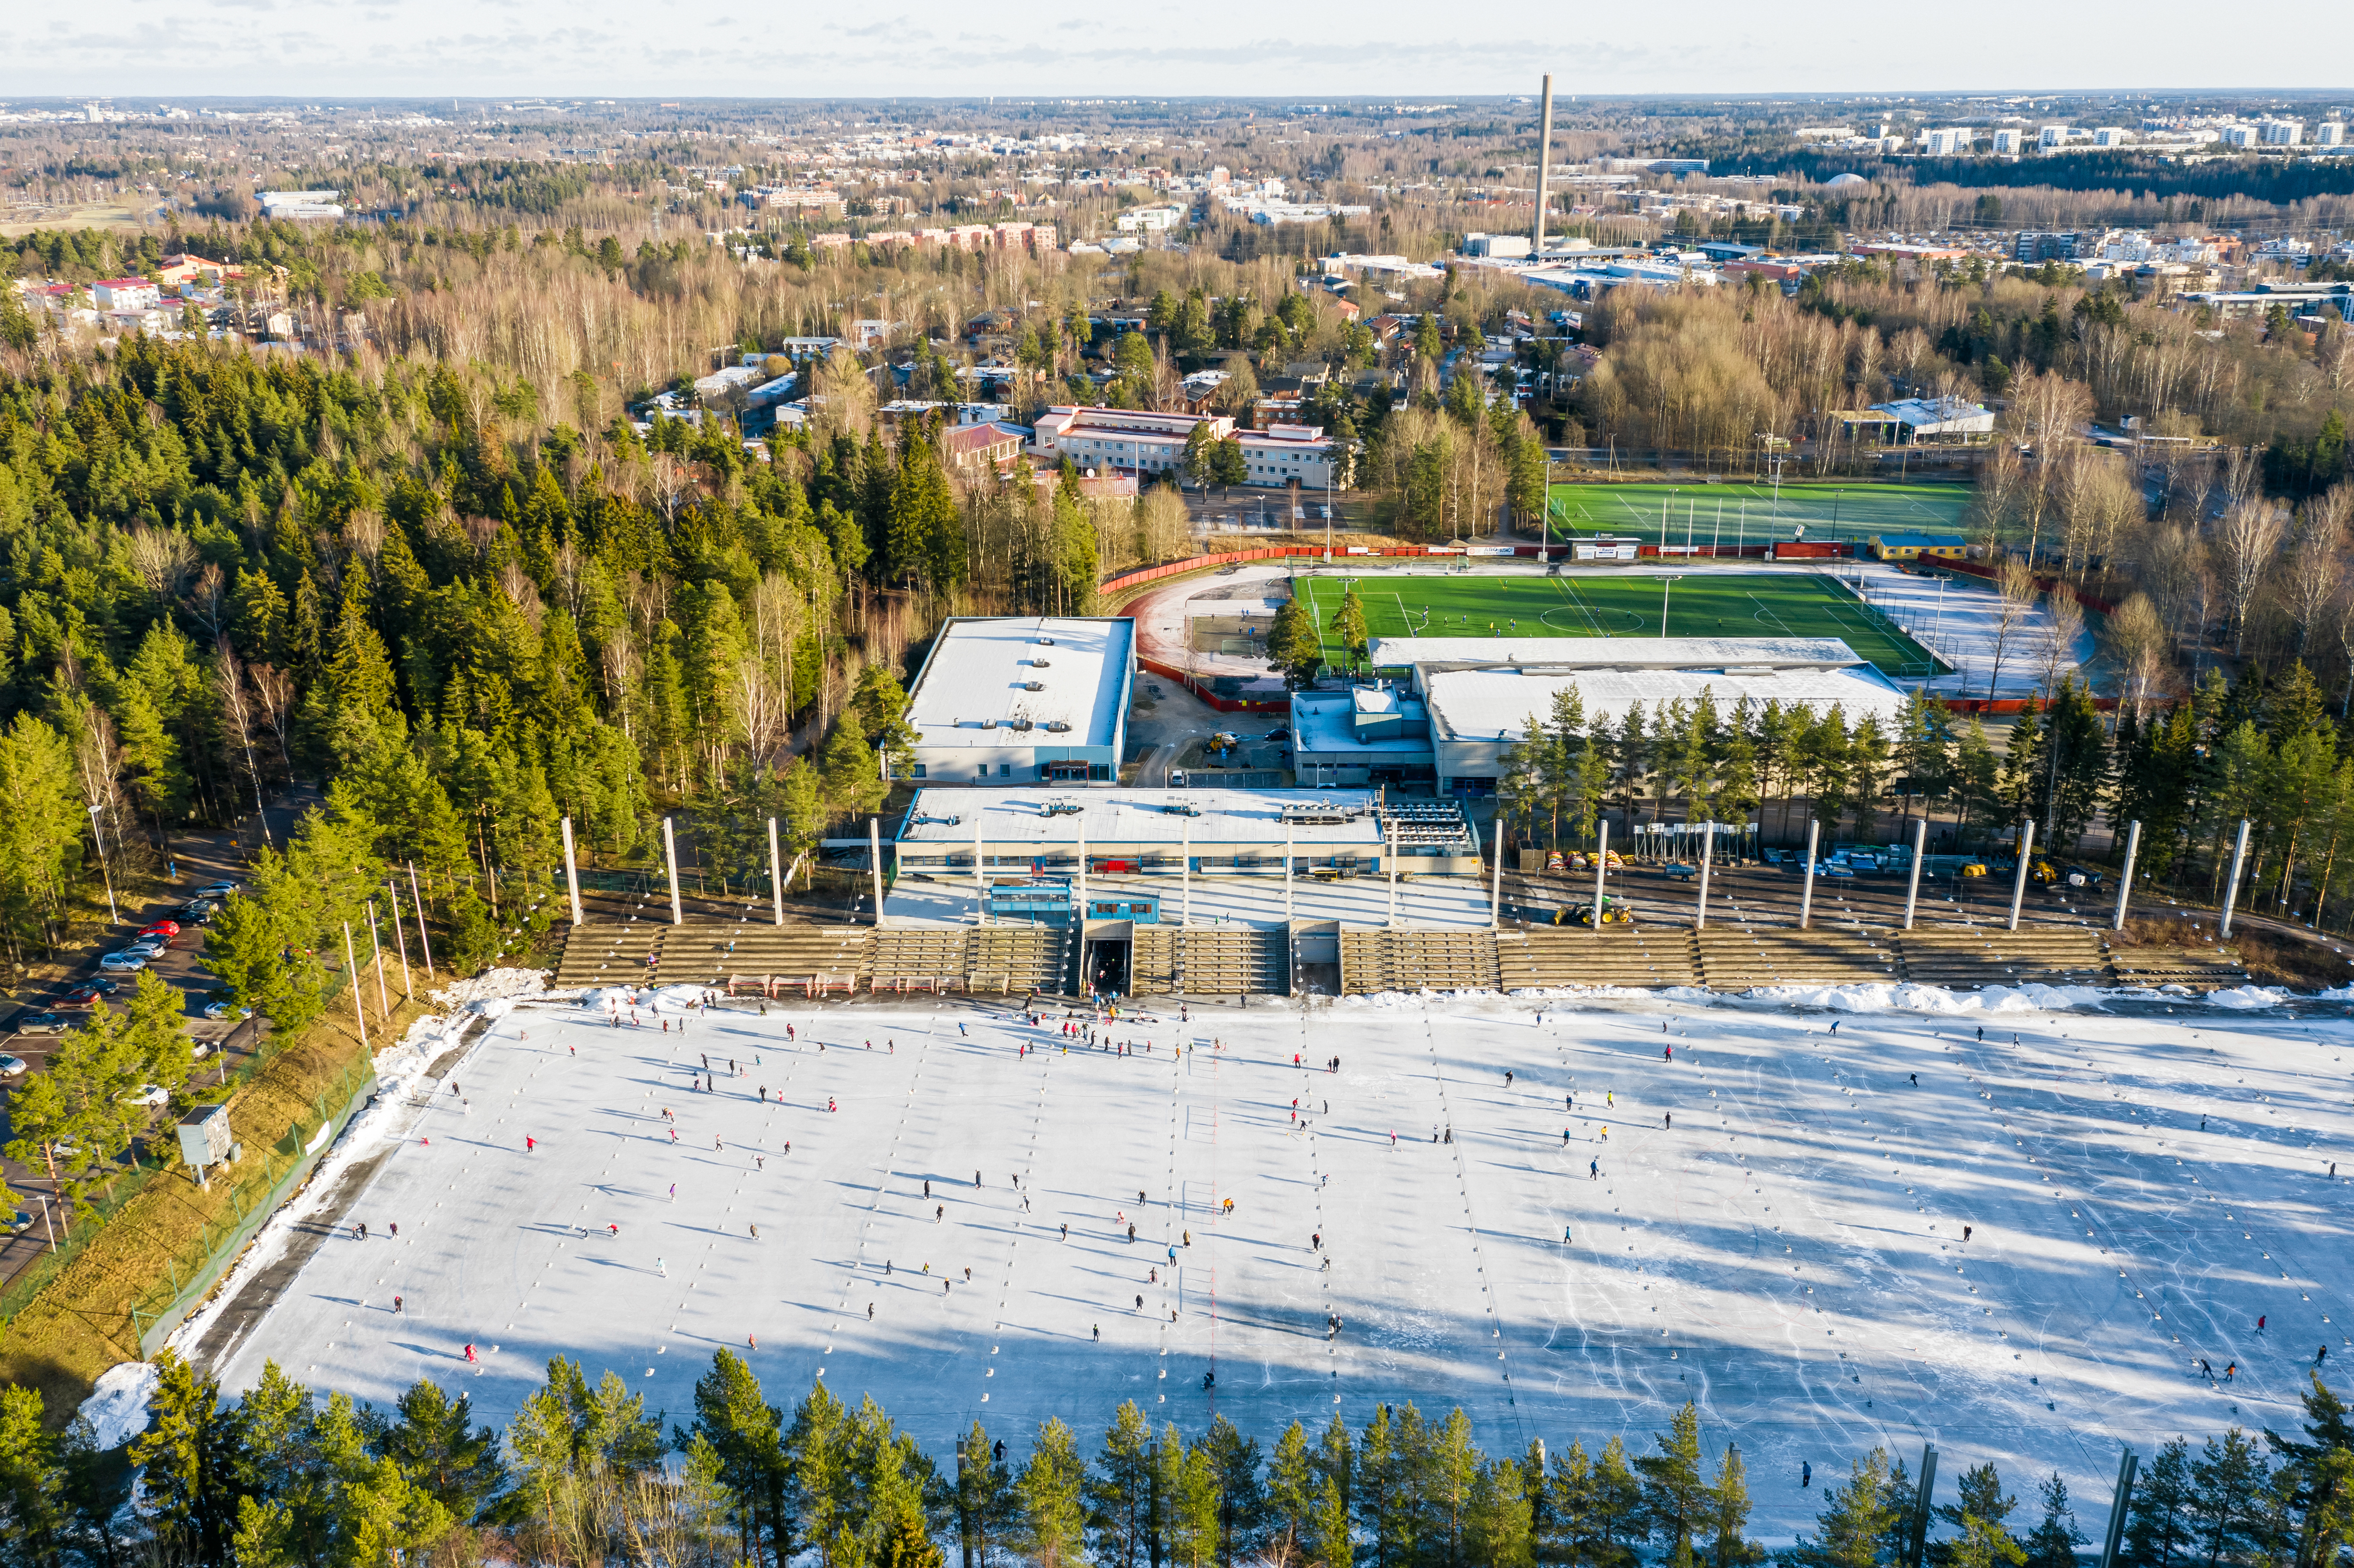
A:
<point x="1789" y="1252"/>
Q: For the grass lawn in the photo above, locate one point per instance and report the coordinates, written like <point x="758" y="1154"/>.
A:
<point x="1749" y="514"/>
<point x="1768" y="603"/>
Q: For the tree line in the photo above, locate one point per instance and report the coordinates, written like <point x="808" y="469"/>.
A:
<point x="282" y="1477"/>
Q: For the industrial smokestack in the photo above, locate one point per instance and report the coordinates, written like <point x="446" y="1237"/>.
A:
<point x="1544" y="165"/>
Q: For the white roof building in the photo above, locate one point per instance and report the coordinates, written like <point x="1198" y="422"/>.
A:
<point x="1024" y="699"/>
<point x="1481" y="692"/>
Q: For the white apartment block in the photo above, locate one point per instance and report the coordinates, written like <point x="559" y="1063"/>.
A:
<point x="1947" y="143"/>
<point x="2006" y="141"/>
<point x="2053" y="136"/>
<point x="1140" y="442"/>
<point x="2237" y="135"/>
<point x="2283" y="132"/>
<point x="2111" y="136"/>
<point x="2329" y="133"/>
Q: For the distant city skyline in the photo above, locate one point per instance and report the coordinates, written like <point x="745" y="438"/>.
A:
<point x="1216" y="47"/>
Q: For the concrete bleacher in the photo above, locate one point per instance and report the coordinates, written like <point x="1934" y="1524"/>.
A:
<point x="2194" y="969"/>
<point x="1544" y="956"/>
<point x="1745" y="957"/>
<point x="1208" y="960"/>
<point x="1965" y="957"/>
<point x="1417" y="960"/>
<point x="1016" y="960"/>
<point x="609" y="955"/>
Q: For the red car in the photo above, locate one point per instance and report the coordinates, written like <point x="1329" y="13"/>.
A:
<point x="80" y="996"/>
<point x="163" y="929"/>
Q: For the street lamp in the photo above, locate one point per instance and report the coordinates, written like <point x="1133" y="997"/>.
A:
<point x="97" y="837"/>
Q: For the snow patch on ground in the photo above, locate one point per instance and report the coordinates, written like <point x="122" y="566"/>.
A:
<point x="117" y="1410"/>
<point x="2245" y="997"/>
<point x="489" y="985"/>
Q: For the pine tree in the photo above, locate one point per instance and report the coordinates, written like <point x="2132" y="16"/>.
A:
<point x="1729" y="1516"/>
<point x="2229" y="1504"/>
<point x="1675" y="1494"/>
<point x="2158" y="1526"/>
<point x="1980" y="1516"/>
<point x="2054" y="1541"/>
<point x="1119" y="1492"/>
<point x="186" y="1454"/>
<point x="1054" y="1508"/>
<point x="1856" y="1517"/>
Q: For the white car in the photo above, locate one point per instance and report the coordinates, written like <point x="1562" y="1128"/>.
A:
<point x="128" y="961"/>
<point x="226" y="1009"/>
<point x="146" y="1094"/>
<point x="13" y="1066"/>
<point x="215" y="890"/>
<point x="148" y="947"/>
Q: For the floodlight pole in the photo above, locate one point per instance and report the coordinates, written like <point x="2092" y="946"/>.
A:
<point x="670" y="860"/>
<point x="1913" y="887"/>
<point x="1185" y="872"/>
<point x="1707" y="850"/>
<point x="875" y="864"/>
<point x="424" y="938"/>
<point x="1601" y="860"/>
<point x="571" y="875"/>
<point x="2019" y="883"/>
<point x="776" y="872"/>
<point x="1807" y="889"/>
<point x="1496" y="894"/>
<point x="1287" y="871"/>
<point x="2232" y="889"/>
<point x="2125" y="882"/>
<point x="980" y="882"/>
<point x="1391" y="858"/>
<point x="1666" y="584"/>
<point x="392" y="894"/>
<point x="2114" y="1536"/>
<point x="1918" y="1532"/>
<point x="352" y="969"/>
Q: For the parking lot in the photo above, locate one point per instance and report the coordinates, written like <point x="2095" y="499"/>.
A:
<point x="221" y="1044"/>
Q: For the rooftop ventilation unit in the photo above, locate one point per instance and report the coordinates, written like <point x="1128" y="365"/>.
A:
<point x="1038" y="664"/>
<point x="1033" y="685"/>
<point x="1046" y="642"/>
<point x="1062" y="808"/>
<point x="1057" y="727"/>
<point x="1019" y="725"/>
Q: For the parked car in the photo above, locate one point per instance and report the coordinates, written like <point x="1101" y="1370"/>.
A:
<point x="217" y="890"/>
<point x="126" y="963"/>
<point x="146" y="1094"/>
<point x="1679" y="870"/>
<point x="2081" y="877"/>
<point x="1278" y="733"/>
<point x="148" y="947"/>
<point x="198" y="910"/>
<point x="43" y="1023"/>
<point x="13" y="1066"/>
<point x="21" y="1222"/>
<point x="84" y="995"/>
<point x="226" y="1010"/>
<point x="160" y="928"/>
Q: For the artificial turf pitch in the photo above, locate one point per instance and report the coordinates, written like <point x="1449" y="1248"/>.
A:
<point x="1600" y="604"/>
<point x="1730" y="513"/>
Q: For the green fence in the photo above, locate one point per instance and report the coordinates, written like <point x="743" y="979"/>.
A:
<point x="255" y="1193"/>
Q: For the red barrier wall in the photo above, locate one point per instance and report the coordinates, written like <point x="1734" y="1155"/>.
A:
<point x="1972" y="568"/>
<point x="1224" y="704"/>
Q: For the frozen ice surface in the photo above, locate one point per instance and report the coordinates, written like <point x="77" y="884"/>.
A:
<point x="1789" y="1254"/>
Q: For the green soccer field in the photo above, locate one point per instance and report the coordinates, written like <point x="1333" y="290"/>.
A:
<point x="1786" y="603"/>
<point x="1731" y="515"/>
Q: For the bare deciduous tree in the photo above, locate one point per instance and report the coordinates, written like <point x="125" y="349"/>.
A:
<point x="163" y="559"/>
<point x="2014" y="603"/>
<point x="2248" y="539"/>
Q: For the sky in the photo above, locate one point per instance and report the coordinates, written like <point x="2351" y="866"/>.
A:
<point x="1222" y="48"/>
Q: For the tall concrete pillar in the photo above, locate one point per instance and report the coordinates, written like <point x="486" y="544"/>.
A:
<point x="571" y="876"/>
<point x="2125" y="882"/>
<point x="670" y="860"/>
<point x="2026" y="858"/>
<point x="1807" y="888"/>
<point x="776" y="872"/>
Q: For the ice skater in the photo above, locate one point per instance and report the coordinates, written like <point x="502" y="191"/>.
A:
<point x="471" y="1358"/>
<point x="661" y="1268"/>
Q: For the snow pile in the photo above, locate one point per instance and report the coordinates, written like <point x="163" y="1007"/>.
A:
<point x="2245" y="997"/>
<point x="490" y="984"/>
<point x="117" y="1411"/>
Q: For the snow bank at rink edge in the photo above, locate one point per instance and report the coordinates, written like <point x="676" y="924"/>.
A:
<point x="1862" y="998"/>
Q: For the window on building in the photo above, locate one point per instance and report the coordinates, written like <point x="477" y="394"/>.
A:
<point x="1005" y="771"/>
<point x="920" y="770"/>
